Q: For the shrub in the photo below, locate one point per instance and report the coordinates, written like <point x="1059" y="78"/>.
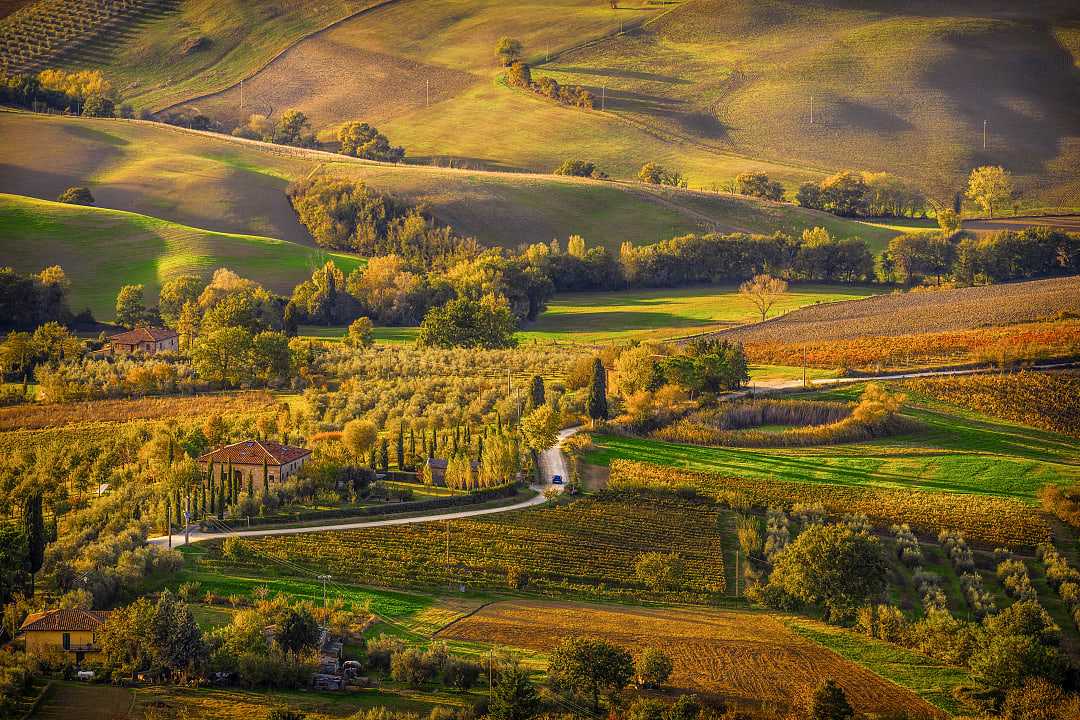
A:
<point x="411" y="667"/>
<point x="581" y="168"/>
<point x="76" y="195"/>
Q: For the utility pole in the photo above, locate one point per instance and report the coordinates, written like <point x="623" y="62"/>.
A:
<point x="811" y="109"/>
<point x="491" y="660"/>
<point x="448" y="554"/>
<point x="984" y="134"/>
<point x="427" y="92"/>
<point x="603" y="98"/>
<point x="324" y="578"/>
<point x="736" y="572"/>
<point x="168" y="521"/>
<point x="187" y="523"/>
<point x="509" y="383"/>
<point x="241" y="93"/>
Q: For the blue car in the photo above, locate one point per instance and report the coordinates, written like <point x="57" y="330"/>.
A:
<point x="556" y="480"/>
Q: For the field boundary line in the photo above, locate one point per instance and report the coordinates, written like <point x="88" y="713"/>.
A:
<point x="793" y="624"/>
<point x="362" y="11"/>
<point x="466" y="616"/>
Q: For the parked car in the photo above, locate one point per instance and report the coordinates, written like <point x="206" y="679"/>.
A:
<point x="86" y="675"/>
<point x="556" y="480"/>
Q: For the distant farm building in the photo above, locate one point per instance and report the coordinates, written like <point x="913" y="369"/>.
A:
<point x="249" y="458"/>
<point x="147" y="340"/>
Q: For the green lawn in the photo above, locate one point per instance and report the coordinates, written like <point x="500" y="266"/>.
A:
<point x="956" y="452"/>
<point x="927" y="678"/>
<point x="101" y="250"/>
<point x="656" y="314"/>
<point x="391" y="605"/>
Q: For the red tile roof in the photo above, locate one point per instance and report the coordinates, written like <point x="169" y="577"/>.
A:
<point x="65" y="620"/>
<point x="253" y="452"/>
<point x="143" y="334"/>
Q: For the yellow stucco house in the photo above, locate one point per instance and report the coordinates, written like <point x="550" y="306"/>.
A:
<point x="73" y="631"/>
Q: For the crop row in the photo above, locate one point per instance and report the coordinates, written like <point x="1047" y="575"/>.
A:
<point x="996" y="521"/>
<point x="48" y="27"/>
<point x="589" y="546"/>
<point x="1050" y="401"/>
<point x="1030" y="341"/>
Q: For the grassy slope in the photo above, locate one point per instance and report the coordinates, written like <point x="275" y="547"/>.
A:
<point x="713" y="87"/>
<point x="604" y="317"/>
<point x="204" y="45"/>
<point x="957" y="452"/>
<point x="927" y="678"/>
<point x="212" y="182"/>
<point x="100" y="250"/>
<point x="897" y="86"/>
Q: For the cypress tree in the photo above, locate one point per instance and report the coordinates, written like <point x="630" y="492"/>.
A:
<point x="384" y="454"/>
<point x="479" y="449"/>
<point x="596" y="406"/>
<point x="536" y="393"/>
<point x="266" y="477"/>
<point x="35" y="536"/>
<point x="400" y="449"/>
<point x="251" y="482"/>
<point x="210" y="486"/>
<point x="221" y="501"/>
<point x="412" y="446"/>
<point x="231" y="496"/>
<point x="176" y="506"/>
<point x="373" y="456"/>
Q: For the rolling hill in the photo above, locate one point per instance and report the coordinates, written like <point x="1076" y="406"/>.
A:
<point x="101" y="250"/>
<point x="712" y="87"/>
<point x="234" y="186"/>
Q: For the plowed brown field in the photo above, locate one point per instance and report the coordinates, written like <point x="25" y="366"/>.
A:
<point x="745" y="657"/>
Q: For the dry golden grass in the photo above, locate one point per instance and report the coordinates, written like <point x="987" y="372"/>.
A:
<point x="745" y="657"/>
<point x="36" y="417"/>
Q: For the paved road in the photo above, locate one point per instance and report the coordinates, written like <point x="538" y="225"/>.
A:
<point x="825" y="382"/>
<point x="552" y="462"/>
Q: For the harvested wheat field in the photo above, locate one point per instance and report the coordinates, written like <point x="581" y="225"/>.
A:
<point x="920" y="312"/>
<point x="740" y="656"/>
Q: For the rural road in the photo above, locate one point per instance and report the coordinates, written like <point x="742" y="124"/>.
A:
<point x="552" y="462"/>
<point x="825" y="382"/>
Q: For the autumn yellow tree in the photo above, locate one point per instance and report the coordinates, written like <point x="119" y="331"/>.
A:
<point x="763" y="291"/>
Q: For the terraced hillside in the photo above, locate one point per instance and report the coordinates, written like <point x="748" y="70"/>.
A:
<point x="101" y="250"/>
<point x="226" y="185"/>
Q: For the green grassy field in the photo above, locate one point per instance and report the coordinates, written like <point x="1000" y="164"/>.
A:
<point x="929" y="679"/>
<point x="101" y="250"/>
<point x="956" y="452"/>
<point x="597" y="318"/>
<point x="212" y="182"/>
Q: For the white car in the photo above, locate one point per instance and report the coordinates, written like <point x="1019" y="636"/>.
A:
<point x="86" y="675"/>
